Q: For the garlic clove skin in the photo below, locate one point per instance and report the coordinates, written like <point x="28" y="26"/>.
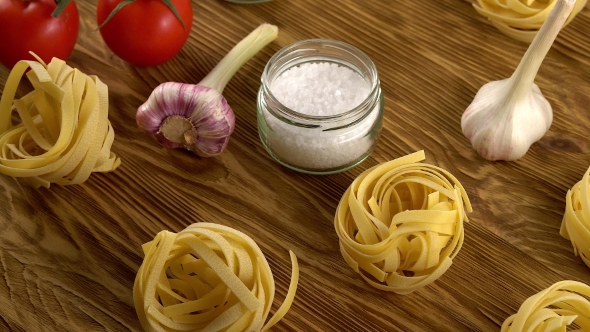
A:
<point x="504" y="128"/>
<point x="194" y="117"/>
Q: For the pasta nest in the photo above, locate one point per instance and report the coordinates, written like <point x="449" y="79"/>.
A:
<point x="521" y="19"/>
<point x="208" y="277"/>
<point x="553" y="309"/>
<point x="64" y="133"/>
<point x="400" y="223"/>
<point x="575" y="225"/>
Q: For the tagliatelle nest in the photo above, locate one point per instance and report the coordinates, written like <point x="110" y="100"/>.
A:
<point x="64" y="134"/>
<point x="575" y="225"/>
<point x="553" y="309"/>
<point x="400" y="223"/>
<point x="208" y="277"/>
<point x="521" y="19"/>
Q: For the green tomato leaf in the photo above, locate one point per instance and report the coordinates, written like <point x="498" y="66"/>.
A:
<point x="173" y="9"/>
<point x="119" y="6"/>
<point x="168" y="3"/>
<point x="61" y="5"/>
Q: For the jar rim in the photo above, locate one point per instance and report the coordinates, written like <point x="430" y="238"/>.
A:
<point x="319" y="43"/>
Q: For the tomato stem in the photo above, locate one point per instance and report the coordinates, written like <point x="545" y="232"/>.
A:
<point x="60" y="5"/>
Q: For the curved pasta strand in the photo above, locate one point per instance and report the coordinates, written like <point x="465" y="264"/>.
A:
<point x="575" y="225"/>
<point x="64" y="134"/>
<point x="498" y="3"/>
<point x="513" y="18"/>
<point x="400" y="223"/>
<point x="524" y="9"/>
<point x="518" y="34"/>
<point x="208" y="277"/>
<point x="553" y="309"/>
<point x="519" y="19"/>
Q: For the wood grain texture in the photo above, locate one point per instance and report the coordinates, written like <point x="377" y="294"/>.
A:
<point x="68" y="255"/>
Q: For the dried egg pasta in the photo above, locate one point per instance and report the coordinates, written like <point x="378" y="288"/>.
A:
<point x="576" y="220"/>
<point x="400" y="223"/>
<point x="208" y="277"/>
<point x="520" y="19"/>
<point x="64" y="134"/>
<point x="553" y="309"/>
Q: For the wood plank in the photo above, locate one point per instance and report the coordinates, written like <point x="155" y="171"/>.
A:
<point x="69" y="255"/>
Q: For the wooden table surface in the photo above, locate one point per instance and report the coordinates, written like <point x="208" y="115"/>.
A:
<point x="69" y="255"/>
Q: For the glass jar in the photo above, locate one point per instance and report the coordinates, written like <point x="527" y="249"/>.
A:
<point x="319" y="144"/>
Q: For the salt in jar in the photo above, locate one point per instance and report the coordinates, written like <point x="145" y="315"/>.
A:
<point x="320" y="106"/>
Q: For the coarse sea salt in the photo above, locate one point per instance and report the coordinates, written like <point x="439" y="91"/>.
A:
<point x="321" y="89"/>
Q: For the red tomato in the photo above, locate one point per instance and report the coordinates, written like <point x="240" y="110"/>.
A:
<point x="145" y="32"/>
<point x="28" y="26"/>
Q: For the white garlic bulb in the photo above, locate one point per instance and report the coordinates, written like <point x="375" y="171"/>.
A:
<point x="509" y="115"/>
<point x="502" y="126"/>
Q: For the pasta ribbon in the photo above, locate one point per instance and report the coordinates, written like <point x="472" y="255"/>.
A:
<point x="575" y="225"/>
<point x="521" y="19"/>
<point x="208" y="277"/>
<point x="64" y="133"/>
<point x="553" y="309"/>
<point x="400" y="223"/>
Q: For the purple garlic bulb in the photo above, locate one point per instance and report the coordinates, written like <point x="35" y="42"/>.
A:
<point x="193" y="117"/>
<point x="197" y="117"/>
